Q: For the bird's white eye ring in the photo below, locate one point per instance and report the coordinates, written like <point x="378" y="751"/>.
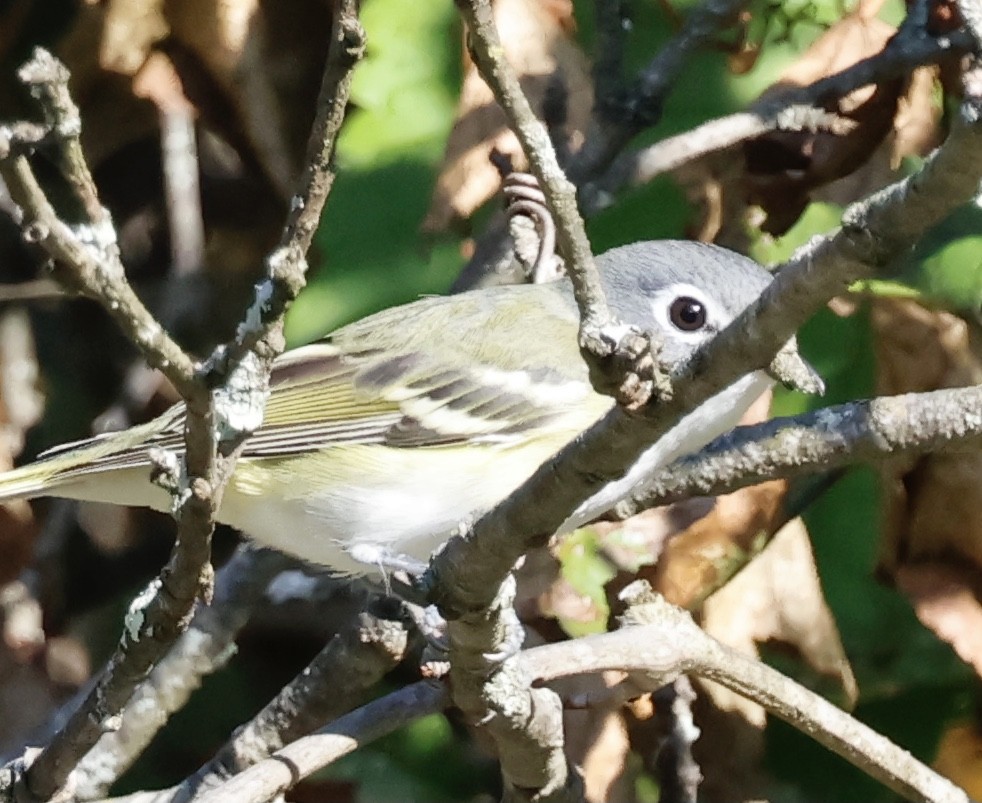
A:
<point x="687" y="314"/>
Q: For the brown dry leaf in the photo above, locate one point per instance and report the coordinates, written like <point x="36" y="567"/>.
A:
<point x="946" y="600"/>
<point x="247" y="73"/>
<point x="777" y="598"/>
<point x="708" y="552"/>
<point x="265" y="60"/>
<point x="131" y="28"/>
<point x="251" y="71"/>
<point x="536" y="42"/>
<point x="783" y="168"/>
<point x="744" y="59"/>
<point x="697" y="544"/>
<point x="714" y="187"/>
<point x="916" y="131"/>
<point x="917" y="125"/>
<point x="920" y="349"/>
<point x="597" y="739"/>
<point x="107" y="43"/>
<point x="933" y="504"/>
<point x="960" y="758"/>
<point x="598" y="744"/>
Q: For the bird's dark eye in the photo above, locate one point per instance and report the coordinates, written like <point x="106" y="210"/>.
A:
<point x="687" y="314"/>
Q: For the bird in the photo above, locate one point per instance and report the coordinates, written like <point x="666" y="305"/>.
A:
<point x="379" y="441"/>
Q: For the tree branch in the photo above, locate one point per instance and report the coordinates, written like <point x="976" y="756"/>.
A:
<point x="205" y="647"/>
<point x="614" y="124"/>
<point x="353" y="661"/>
<point x="790" y="110"/>
<point x="89" y="259"/>
<point x="275" y="775"/>
<point x="617" y="117"/>
<point x="879" y="429"/>
<point x="488" y="54"/>
<point x="659" y="642"/>
<point x="874" y="231"/>
<point x="262" y="330"/>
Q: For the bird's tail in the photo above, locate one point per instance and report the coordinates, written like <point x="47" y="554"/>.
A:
<point x="27" y="482"/>
<point x="65" y="470"/>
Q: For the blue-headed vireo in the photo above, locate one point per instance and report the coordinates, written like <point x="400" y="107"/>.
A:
<point x="380" y="440"/>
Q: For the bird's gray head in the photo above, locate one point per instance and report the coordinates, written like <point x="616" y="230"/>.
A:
<point x="686" y="293"/>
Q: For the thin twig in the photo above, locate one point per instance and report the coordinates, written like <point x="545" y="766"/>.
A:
<point x="262" y="331"/>
<point x="659" y="642"/>
<point x="526" y="723"/>
<point x="275" y="775"/>
<point x="206" y="646"/>
<point x="352" y="662"/>
<point x="613" y="126"/>
<point x="608" y="62"/>
<point x="678" y="773"/>
<point x="656" y="644"/>
<point x="91" y="262"/>
<point x="98" y="273"/>
<point x="792" y="109"/>
<point x="488" y="54"/>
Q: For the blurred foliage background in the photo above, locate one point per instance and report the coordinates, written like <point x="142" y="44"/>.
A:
<point x="386" y="239"/>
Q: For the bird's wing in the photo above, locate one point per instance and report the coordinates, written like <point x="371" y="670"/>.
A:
<point x="403" y="378"/>
<point x="324" y="396"/>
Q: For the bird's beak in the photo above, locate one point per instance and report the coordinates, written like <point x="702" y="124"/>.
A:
<point x="793" y="372"/>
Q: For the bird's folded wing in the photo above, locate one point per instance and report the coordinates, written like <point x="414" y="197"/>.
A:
<point x="323" y="395"/>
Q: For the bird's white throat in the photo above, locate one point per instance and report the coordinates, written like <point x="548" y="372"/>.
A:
<point x="716" y="415"/>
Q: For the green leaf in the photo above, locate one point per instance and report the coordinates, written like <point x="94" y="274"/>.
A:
<point x="405" y="90"/>
<point x="818" y="219"/>
<point x="946" y="265"/>
<point x="586" y="569"/>
<point x="372" y="255"/>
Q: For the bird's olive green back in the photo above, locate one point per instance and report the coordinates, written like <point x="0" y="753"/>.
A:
<point x="479" y="367"/>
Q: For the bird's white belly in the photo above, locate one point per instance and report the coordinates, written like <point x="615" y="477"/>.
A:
<point x="428" y="497"/>
<point x="357" y="518"/>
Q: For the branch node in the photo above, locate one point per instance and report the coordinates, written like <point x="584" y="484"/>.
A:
<point x="46" y="78"/>
<point x="34" y="233"/>
<point x="352" y="38"/>
<point x="241" y="399"/>
<point x="136" y="615"/>
<point x="167" y="471"/>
